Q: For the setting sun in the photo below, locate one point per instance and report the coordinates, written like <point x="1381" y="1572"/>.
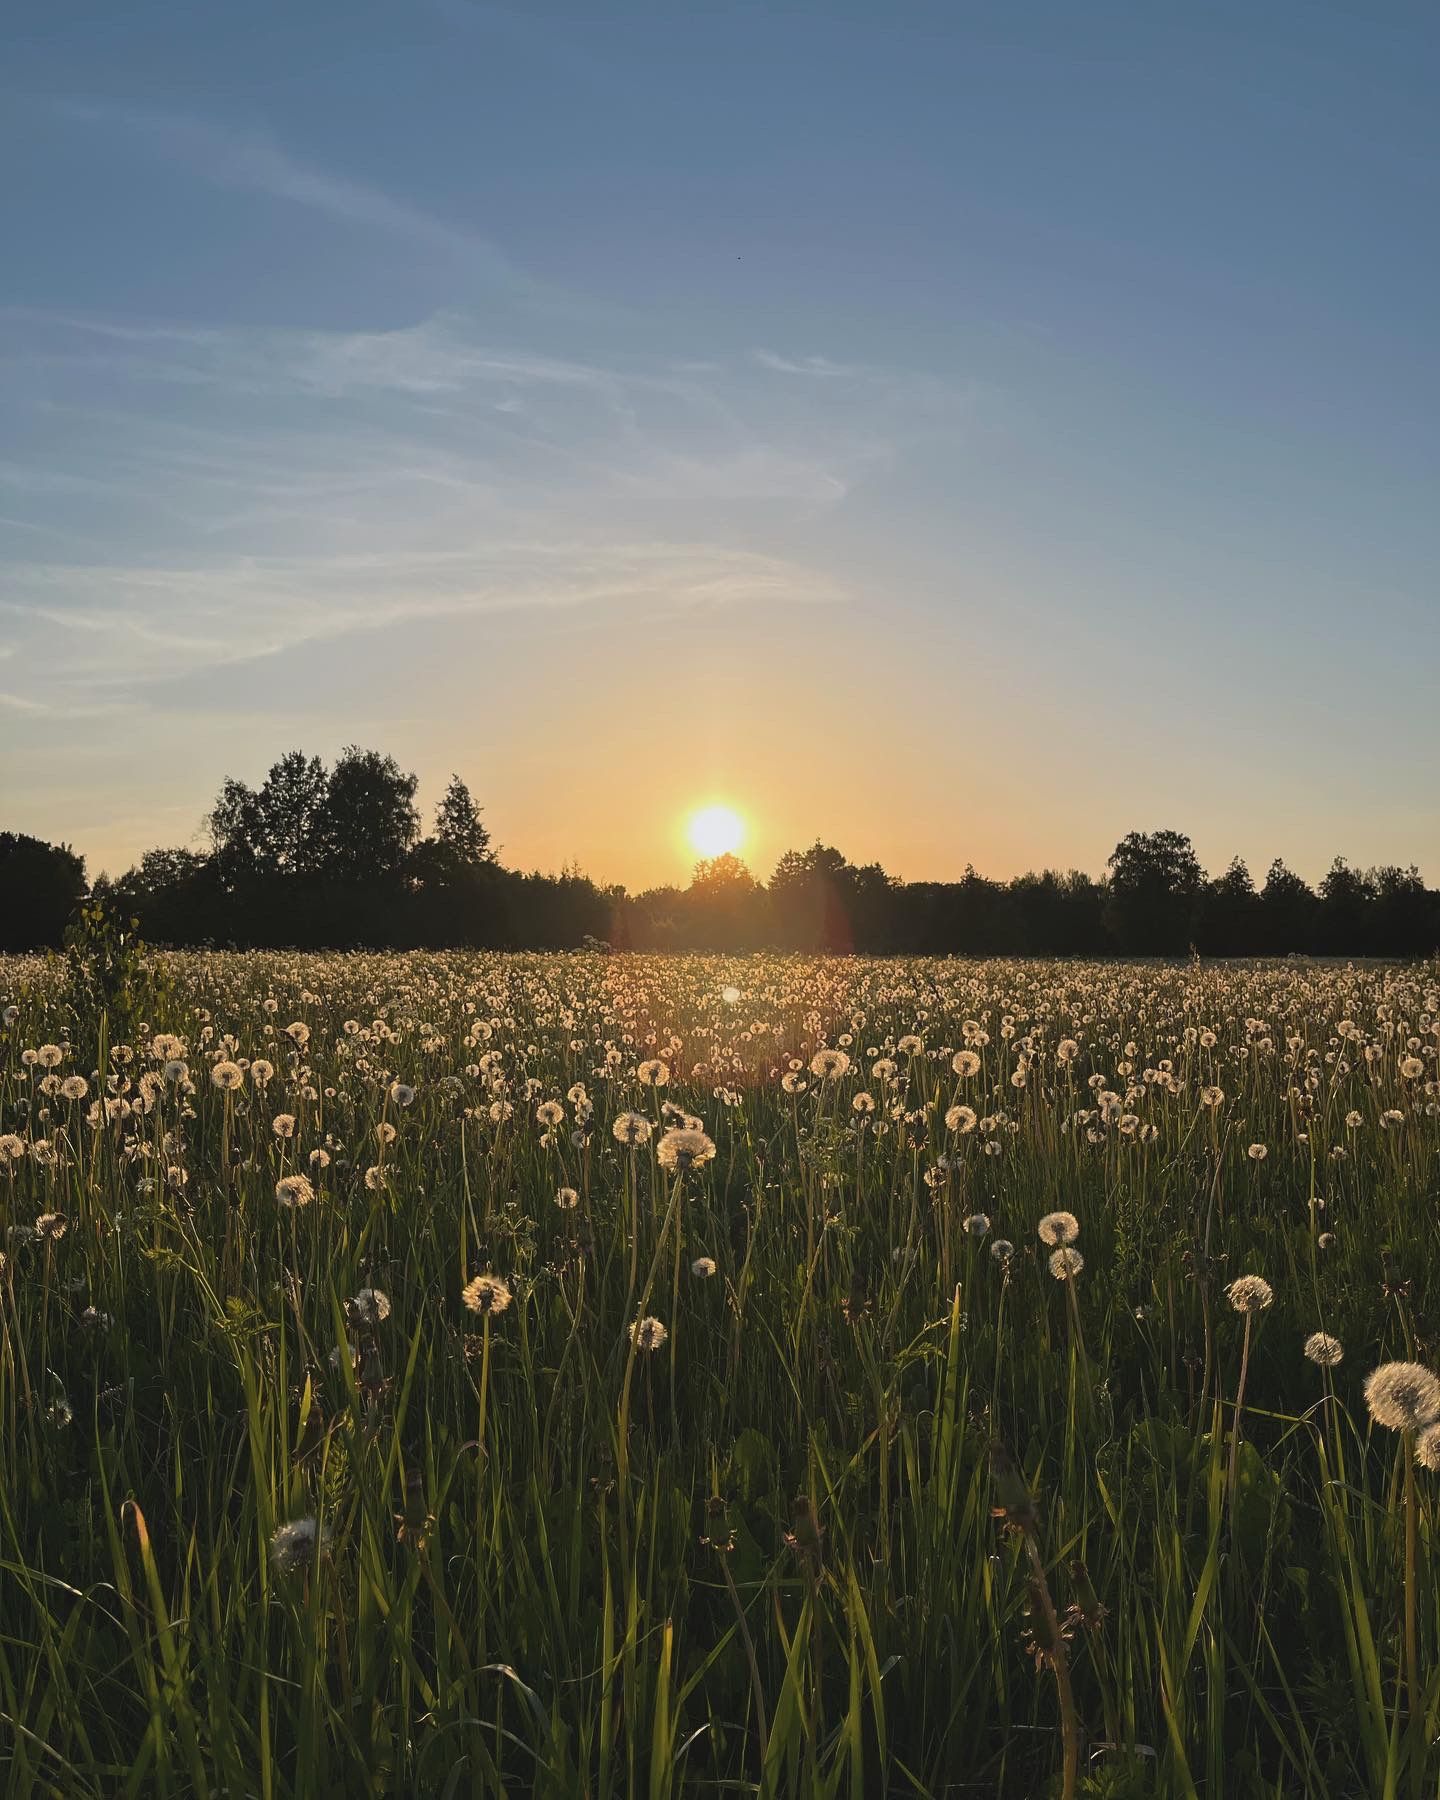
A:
<point x="716" y="831"/>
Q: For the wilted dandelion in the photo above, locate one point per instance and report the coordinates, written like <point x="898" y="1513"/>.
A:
<point x="703" y="1266"/>
<point x="293" y="1546"/>
<point x="1058" y="1228"/>
<point x="371" y="1307"/>
<point x="965" y="1063"/>
<point x="566" y="1198"/>
<point x="647" y="1334"/>
<point x="631" y="1128"/>
<point x="1066" y="1264"/>
<point x="977" y="1225"/>
<point x="227" y="1076"/>
<point x="829" y="1065"/>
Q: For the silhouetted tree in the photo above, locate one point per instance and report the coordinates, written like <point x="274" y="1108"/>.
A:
<point x="1346" y="900"/>
<point x="1229" y="918"/>
<point x="459" y="830"/>
<point x="235" y="834"/>
<point x="810" y="895"/>
<point x="368" y="823"/>
<point x="1155" y="887"/>
<point x="289" y="818"/>
<point x="40" y="887"/>
<point x="724" y="907"/>
<point x="311" y="859"/>
<point x="1405" y="914"/>
<point x="1288" y="908"/>
<point x="176" y="897"/>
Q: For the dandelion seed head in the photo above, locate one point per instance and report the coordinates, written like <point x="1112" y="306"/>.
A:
<point x="1250" y="1294"/>
<point x="487" y="1294"/>
<point x="294" y="1190"/>
<point x="1402" y="1396"/>
<point x="684" y="1147"/>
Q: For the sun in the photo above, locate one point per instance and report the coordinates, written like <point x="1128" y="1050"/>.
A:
<point x="716" y="830"/>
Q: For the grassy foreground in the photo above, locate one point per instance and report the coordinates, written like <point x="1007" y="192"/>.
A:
<point x="758" y="1464"/>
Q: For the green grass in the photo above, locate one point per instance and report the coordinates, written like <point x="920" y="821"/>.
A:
<point x="822" y="1540"/>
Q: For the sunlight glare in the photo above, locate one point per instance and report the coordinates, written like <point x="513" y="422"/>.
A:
<point x="716" y="831"/>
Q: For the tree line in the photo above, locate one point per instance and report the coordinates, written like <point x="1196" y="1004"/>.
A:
<point x="337" y="857"/>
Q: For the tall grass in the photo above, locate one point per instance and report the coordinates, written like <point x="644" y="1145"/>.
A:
<point x="886" y="1513"/>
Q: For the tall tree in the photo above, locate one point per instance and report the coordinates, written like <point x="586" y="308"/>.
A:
<point x="459" y="831"/>
<point x="235" y="834"/>
<point x="1229" y="913"/>
<point x="40" y="887"/>
<point x="289" y="817"/>
<point x="1155" y="886"/>
<point x="810" y="892"/>
<point x="368" y="824"/>
<point x="1287" y="913"/>
<point x="1346" y="902"/>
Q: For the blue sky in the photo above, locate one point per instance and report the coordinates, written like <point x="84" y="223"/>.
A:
<point x="965" y="432"/>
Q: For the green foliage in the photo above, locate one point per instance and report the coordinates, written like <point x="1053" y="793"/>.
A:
<point x="110" y="983"/>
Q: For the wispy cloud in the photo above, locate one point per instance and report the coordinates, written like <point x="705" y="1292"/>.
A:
<point x="218" y="496"/>
<point x="252" y="159"/>
<point x="820" y="366"/>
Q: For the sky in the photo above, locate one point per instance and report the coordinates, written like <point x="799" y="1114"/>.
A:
<point x="963" y="433"/>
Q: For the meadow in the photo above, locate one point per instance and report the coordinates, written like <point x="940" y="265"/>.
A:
<point x="470" y="1374"/>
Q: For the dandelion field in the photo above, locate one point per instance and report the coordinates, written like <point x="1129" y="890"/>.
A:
<point x="451" y="1374"/>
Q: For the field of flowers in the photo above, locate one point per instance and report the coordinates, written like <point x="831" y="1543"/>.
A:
<point x="620" y="1376"/>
